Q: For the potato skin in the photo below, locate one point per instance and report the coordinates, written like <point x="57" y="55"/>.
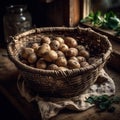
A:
<point x="43" y="49"/>
<point x="72" y="64"/>
<point x="81" y="59"/>
<point x="70" y="41"/>
<point x="50" y="56"/>
<point x="45" y="39"/>
<point x="73" y="58"/>
<point x="35" y="46"/>
<point x="84" y="53"/>
<point x="54" y="45"/>
<point x="41" y="64"/>
<point x="56" y="53"/>
<point x="63" y="68"/>
<point x="63" y="48"/>
<point x="61" y="61"/>
<point x="71" y="52"/>
<point x="80" y="47"/>
<point x="52" y="67"/>
<point x="84" y="64"/>
<point x="32" y="58"/>
<point x="26" y="52"/>
<point x="60" y="53"/>
<point x="59" y="39"/>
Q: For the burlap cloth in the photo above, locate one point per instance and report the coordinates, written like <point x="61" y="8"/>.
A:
<point x="50" y="107"/>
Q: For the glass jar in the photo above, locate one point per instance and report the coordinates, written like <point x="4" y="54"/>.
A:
<point x="16" y="20"/>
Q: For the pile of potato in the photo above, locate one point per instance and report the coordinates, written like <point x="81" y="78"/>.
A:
<point x="56" y="54"/>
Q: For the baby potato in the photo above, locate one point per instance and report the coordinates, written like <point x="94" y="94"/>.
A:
<point x="71" y="52"/>
<point x="41" y="64"/>
<point x="63" y="68"/>
<point x="84" y="53"/>
<point x="54" y="45"/>
<point x="60" y="53"/>
<point x="59" y="39"/>
<point x="70" y="41"/>
<point x="43" y="49"/>
<point x="50" y="56"/>
<point x="61" y="61"/>
<point x="63" y="48"/>
<point x="52" y="67"/>
<point x="84" y="64"/>
<point x="35" y="46"/>
<point x="26" y="52"/>
<point x="80" y="47"/>
<point x="45" y="39"/>
<point x="32" y="58"/>
<point x="72" y="64"/>
<point x="81" y="59"/>
<point x="73" y="58"/>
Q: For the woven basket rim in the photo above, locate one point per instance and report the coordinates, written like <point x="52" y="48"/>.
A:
<point x="57" y="72"/>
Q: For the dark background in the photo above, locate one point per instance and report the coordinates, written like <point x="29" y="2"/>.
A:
<point x="42" y="13"/>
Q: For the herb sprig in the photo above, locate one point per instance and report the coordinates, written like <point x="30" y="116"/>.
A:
<point x="104" y="102"/>
<point x="108" y="20"/>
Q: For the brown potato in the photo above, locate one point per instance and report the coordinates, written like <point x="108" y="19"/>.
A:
<point x="59" y="39"/>
<point x="63" y="48"/>
<point x="61" y="61"/>
<point x="72" y="64"/>
<point x="84" y="53"/>
<point x="80" y="47"/>
<point x="54" y="45"/>
<point x="52" y="67"/>
<point x="81" y="59"/>
<point x="71" y="52"/>
<point x="45" y="39"/>
<point x="84" y="64"/>
<point x="26" y="52"/>
<point x="43" y="49"/>
<point x="41" y="64"/>
<point x="73" y="58"/>
<point x="50" y="56"/>
<point x="70" y="41"/>
<point x="60" y="53"/>
<point x="63" y="68"/>
<point x="35" y="46"/>
<point x="32" y="58"/>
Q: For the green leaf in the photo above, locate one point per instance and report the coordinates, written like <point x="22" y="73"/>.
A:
<point x="108" y="20"/>
<point x="116" y="99"/>
<point x="89" y="18"/>
<point x="90" y="100"/>
<point x="104" y="105"/>
<point x="103" y="102"/>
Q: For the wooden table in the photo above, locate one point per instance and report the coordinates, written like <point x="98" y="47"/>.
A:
<point x="30" y="111"/>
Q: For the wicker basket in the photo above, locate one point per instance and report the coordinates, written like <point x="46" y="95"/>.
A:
<point x="61" y="83"/>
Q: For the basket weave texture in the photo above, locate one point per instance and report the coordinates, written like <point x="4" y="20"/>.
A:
<point x="60" y="83"/>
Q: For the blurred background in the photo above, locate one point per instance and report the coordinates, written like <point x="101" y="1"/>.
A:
<point x="58" y="12"/>
<point x="43" y="12"/>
